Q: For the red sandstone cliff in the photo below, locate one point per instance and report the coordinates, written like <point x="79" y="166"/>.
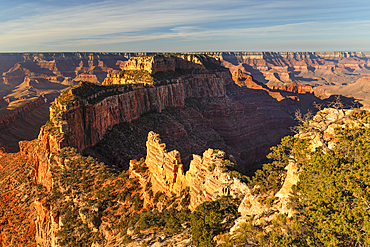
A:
<point x="293" y="88"/>
<point x="85" y="121"/>
<point x="245" y="80"/>
<point x="20" y="112"/>
<point x="328" y="72"/>
<point x="80" y="117"/>
<point x="207" y="178"/>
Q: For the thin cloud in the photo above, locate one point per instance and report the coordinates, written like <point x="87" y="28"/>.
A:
<point x="116" y="22"/>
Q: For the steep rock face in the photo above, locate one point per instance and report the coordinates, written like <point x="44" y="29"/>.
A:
<point x="167" y="173"/>
<point x="154" y="64"/>
<point x="245" y="80"/>
<point x="40" y="152"/>
<point x="26" y="76"/>
<point x="294" y="88"/>
<point x="207" y="178"/>
<point x="326" y="72"/>
<point x="80" y="124"/>
<point x="20" y="112"/>
<point x="87" y="123"/>
<point x="68" y="119"/>
<point x="81" y="117"/>
<point x="22" y="119"/>
<point x="244" y="123"/>
<point x="46" y="226"/>
<point x="85" y="120"/>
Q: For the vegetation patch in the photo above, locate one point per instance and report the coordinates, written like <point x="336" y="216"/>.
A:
<point x="331" y="199"/>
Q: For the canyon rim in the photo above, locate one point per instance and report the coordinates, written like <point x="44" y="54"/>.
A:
<point x="128" y="137"/>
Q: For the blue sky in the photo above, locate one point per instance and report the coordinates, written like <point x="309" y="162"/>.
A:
<point x="184" y="26"/>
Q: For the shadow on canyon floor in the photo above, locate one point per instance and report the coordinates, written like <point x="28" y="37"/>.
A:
<point x="197" y="127"/>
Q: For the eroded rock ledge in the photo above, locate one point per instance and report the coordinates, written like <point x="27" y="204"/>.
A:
<point x="81" y="116"/>
<point x="208" y="177"/>
<point x="84" y="114"/>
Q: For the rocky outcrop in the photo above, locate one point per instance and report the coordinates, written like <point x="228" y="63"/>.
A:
<point x="40" y="152"/>
<point x="47" y="225"/>
<point x="293" y="88"/>
<point x="157" y="69"/>
<point x="208" y="177"/>
<point x="154" y="64"/>
<point x="81" y="117"/>
<point x="85" y="124"/>
<point x="85" y="121"/>
<point x="25" y="76"/>
<point x="324" y="122"/>
<point x="245" y="80"/>
<point x="166" y="169"/>
<point x="327" y="72"/>
<point x="21" y="112"/>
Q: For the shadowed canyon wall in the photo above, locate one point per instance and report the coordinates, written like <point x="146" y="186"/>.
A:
<point x="193" y="108"/>
<point x="74" y="121"/>
<point x="26" y="76"/>
<point x="329" y="73"/>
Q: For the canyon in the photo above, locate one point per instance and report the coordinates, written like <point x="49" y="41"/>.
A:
<point x="208" y="119"/>
<point x="329" y="73"/>
<point x="28" y="76"/>
<point x="85" y="114"/>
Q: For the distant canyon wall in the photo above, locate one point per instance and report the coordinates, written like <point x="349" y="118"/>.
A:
<point x="28" y="76"/>
<point x="328" y="73"/>
<point x="51" y="69"/>
<point x="82" y="116"/>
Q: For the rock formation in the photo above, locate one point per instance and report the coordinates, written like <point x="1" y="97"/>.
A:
<point x="29" y="75"/>
<point x="246" y="80"/>
<point x="326" y="122"/>
<point x="20" y="112"/>
<point x="203" y="108"/>
<point x="80" y="117"/>
<point x="207" y="178"/>
<point x="22" y="119"/>
<point x="326" y="72"/>
<point x="150" y="69"/>
<point x="211" y="112"/>
<point x="26" y="76"/>
<point x="58" y="67"/>
<point x="85" y="120"/>
<point x="293" y="87"/>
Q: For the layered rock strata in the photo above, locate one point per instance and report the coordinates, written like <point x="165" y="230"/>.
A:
<point x="27" y="76"/>
<point x="84" y="123"/>
<point x="21" y="112"/>
<point x="294" y="88"/>
<point x="159" y="69"/>
<point x="324" y="122"/>
<point x="329" y="73"/>
<point x="208" y="177"/>
<point x="81" y="116"/>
